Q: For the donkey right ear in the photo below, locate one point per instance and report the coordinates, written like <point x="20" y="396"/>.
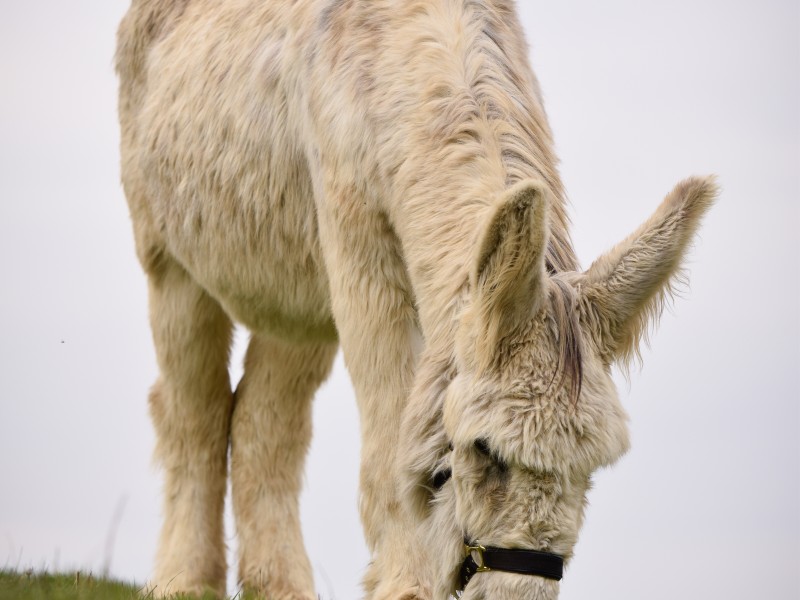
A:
<point x="624" y="291"/>
<point x="508" y="275"/>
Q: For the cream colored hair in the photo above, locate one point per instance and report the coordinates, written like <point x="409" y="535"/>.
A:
<point x="378" y="176"/>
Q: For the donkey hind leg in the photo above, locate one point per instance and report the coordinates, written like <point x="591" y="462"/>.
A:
<point x="190" y="406"/>
<point x="270" y="434"/>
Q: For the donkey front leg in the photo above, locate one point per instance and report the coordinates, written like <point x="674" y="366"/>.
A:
<point x="373" y="307"/>
<point x="190" y="405"/>
<point x="270" y="435"/>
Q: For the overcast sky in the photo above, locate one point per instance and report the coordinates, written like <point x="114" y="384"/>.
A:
<point x="640" y="94"/>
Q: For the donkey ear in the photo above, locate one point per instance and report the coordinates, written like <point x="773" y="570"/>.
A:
<point x="508" y="275"/>
<point x="624" y="291"/>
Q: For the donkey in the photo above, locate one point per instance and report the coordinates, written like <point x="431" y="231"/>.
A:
<point x="377" y="176"/>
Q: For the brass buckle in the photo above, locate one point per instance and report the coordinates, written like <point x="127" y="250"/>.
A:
<point x="476" y="550"/>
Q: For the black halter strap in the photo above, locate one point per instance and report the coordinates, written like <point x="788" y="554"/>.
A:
<point x="525" y="562"/>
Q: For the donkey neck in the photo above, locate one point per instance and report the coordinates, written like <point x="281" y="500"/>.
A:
<point x="444" y="112"/>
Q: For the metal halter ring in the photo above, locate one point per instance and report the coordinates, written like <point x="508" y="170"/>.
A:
<point x="476" y="552"/>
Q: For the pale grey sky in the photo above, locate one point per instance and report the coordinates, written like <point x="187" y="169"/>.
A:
<point x="640" y="94"/>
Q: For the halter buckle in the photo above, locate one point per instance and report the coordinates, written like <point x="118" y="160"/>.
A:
<point x="476" y="552"/>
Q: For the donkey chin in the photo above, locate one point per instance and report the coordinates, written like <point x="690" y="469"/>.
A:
<point x="495" y="585"/>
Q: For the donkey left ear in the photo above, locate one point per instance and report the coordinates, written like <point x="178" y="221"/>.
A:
<point x="508" y="275"/>
<point x="624" y="291"/>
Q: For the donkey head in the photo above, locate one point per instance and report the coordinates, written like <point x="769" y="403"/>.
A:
<point x="530" y="409"/>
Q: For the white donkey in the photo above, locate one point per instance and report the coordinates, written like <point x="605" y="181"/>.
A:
<point x="380" y="175"/>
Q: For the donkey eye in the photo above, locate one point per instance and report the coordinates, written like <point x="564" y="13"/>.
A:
<point x="482" y="446"/>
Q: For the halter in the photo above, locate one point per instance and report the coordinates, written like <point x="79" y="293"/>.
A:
<point x="480" y="559"/>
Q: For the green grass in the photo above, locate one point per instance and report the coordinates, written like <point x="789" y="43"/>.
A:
<point x="32" y="585"/>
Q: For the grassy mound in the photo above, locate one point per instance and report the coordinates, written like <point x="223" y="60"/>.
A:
<point x="30" y="585"/>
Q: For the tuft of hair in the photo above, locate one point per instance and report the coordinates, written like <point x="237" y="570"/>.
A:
<point x="566" y="319"/>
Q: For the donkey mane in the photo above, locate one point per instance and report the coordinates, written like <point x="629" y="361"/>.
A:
<point x="486" y="108"/>
<point x="502" y="91"/>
